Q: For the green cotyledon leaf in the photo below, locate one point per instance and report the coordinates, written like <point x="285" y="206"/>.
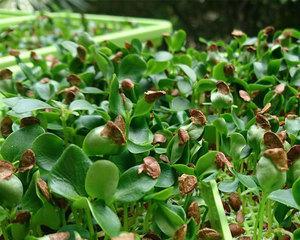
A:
<point x="67" y="177"/>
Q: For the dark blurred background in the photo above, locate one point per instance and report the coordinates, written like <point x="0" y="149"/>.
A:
<point x="212" y="19"/>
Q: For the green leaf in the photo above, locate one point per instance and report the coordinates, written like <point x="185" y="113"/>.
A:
<point x="142" y="107"/>
<point x="176" y="41"/>
<point x="82" y="105"/>
<point x="216" y="212"/>
<point x="259" y="69"/>
<point x="237" y="144"/>
<point x="189" y="72"/>
<point x="102" y="180"/>
<point x="205" y="162"/>
<point x="19" y="141"/>
<point x="229" y="186"/>
<point x="29" y="105"/>
<point x="163" y="56"/>
<point x="296" y="191"/>
<point x="218" y="71"/>
<point x="105" y="217"/>
<point x="138" y="148"/>
<point x="132" y="66"/>
<point x="220" y="125"/>
<point x="11" y="192"/>
<point x="285" y="197"/>
<point x="166" y="177"/>
<point x="133" y="186"/>
<point x="180" y="104"/>
<point x="47" y="148"/>
<point x="162" y="195"/>
<point x="67" y="176"/>
<point x="167" y="220"/>
<point x="104" y="64"/>
<point x="31" y="201"/>
<point x="115" y="101"/>
<point x="154" y="67"/>
<point x="48" y="215"/>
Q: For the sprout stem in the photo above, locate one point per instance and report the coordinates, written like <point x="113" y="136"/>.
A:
<point x="90" y="224"/>
<point x="260" y="218"/>
<point x="125" y="209"/>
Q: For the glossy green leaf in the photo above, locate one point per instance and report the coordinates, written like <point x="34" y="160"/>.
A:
<point x="29" y="105"/>
<point x="102" y="180"/>
<point x="205" y="162"/>
<point x="133" y="186"/>
<point x="296" y="192"/>
<point x="19" y="141"/>
<point x="167" y="220"/>
<point x="67" y="176"/>
<point x="132" y="66"/>
<point x="47" y="148"/>
<point x="105" y="217"/>
<point x="285" y="197"/>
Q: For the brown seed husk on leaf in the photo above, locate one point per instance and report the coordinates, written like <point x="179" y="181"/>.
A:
<point x="14" y="52"/>
<point x="282" y="136"/>
<point x="27" y="161"/>
<point x="237" y="33"/>
<point x="194" y="212"/>
<point x="6" y="170"/>
<point x="127" y="84"/>
<point x="22" y="217"/>
<point x="152" y="96"/>
<point x="34" y="56"/>
<point x="221" y="161"/>
<point x="74" y="80"/>
<point x="245" y="96"/>
<point x="43" y="187"/>
<point x="240" y="216"/>
<point x="269" y="30"/>
<point x="236" y="230"/>
<point x="151" y="236"/>
<point x="198" y="117"/>
<point x="59" y="236"/>
<point x="180" y="233"/>
<point x="150" y="167"/>
<point x="124" y="236"/>
<point x="209" y="234"/>
<point x="271" y="140"/>
<point x="120" y="123"/>
<point x="235" y="201"/>
<point x="223" y="88"/>
<point x="279" y="89"/>
<point x="6" y="126"/>
<point x="29" y="121"/>
<point x="278" y="157"/>
<point x="263" y="122"/>
<point x="293" y="154"/>
<point x="164" y="158"/>
<point x="229" y="69"/>
<point x="111" y="130"/>
<point x="187" y="183"/>
<point x="265" y="108"/>
<point x="81" y="53"/>
<point x="5" y="74"/>
<point x="183" y="136"/>
<point x="158" y="138"/>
